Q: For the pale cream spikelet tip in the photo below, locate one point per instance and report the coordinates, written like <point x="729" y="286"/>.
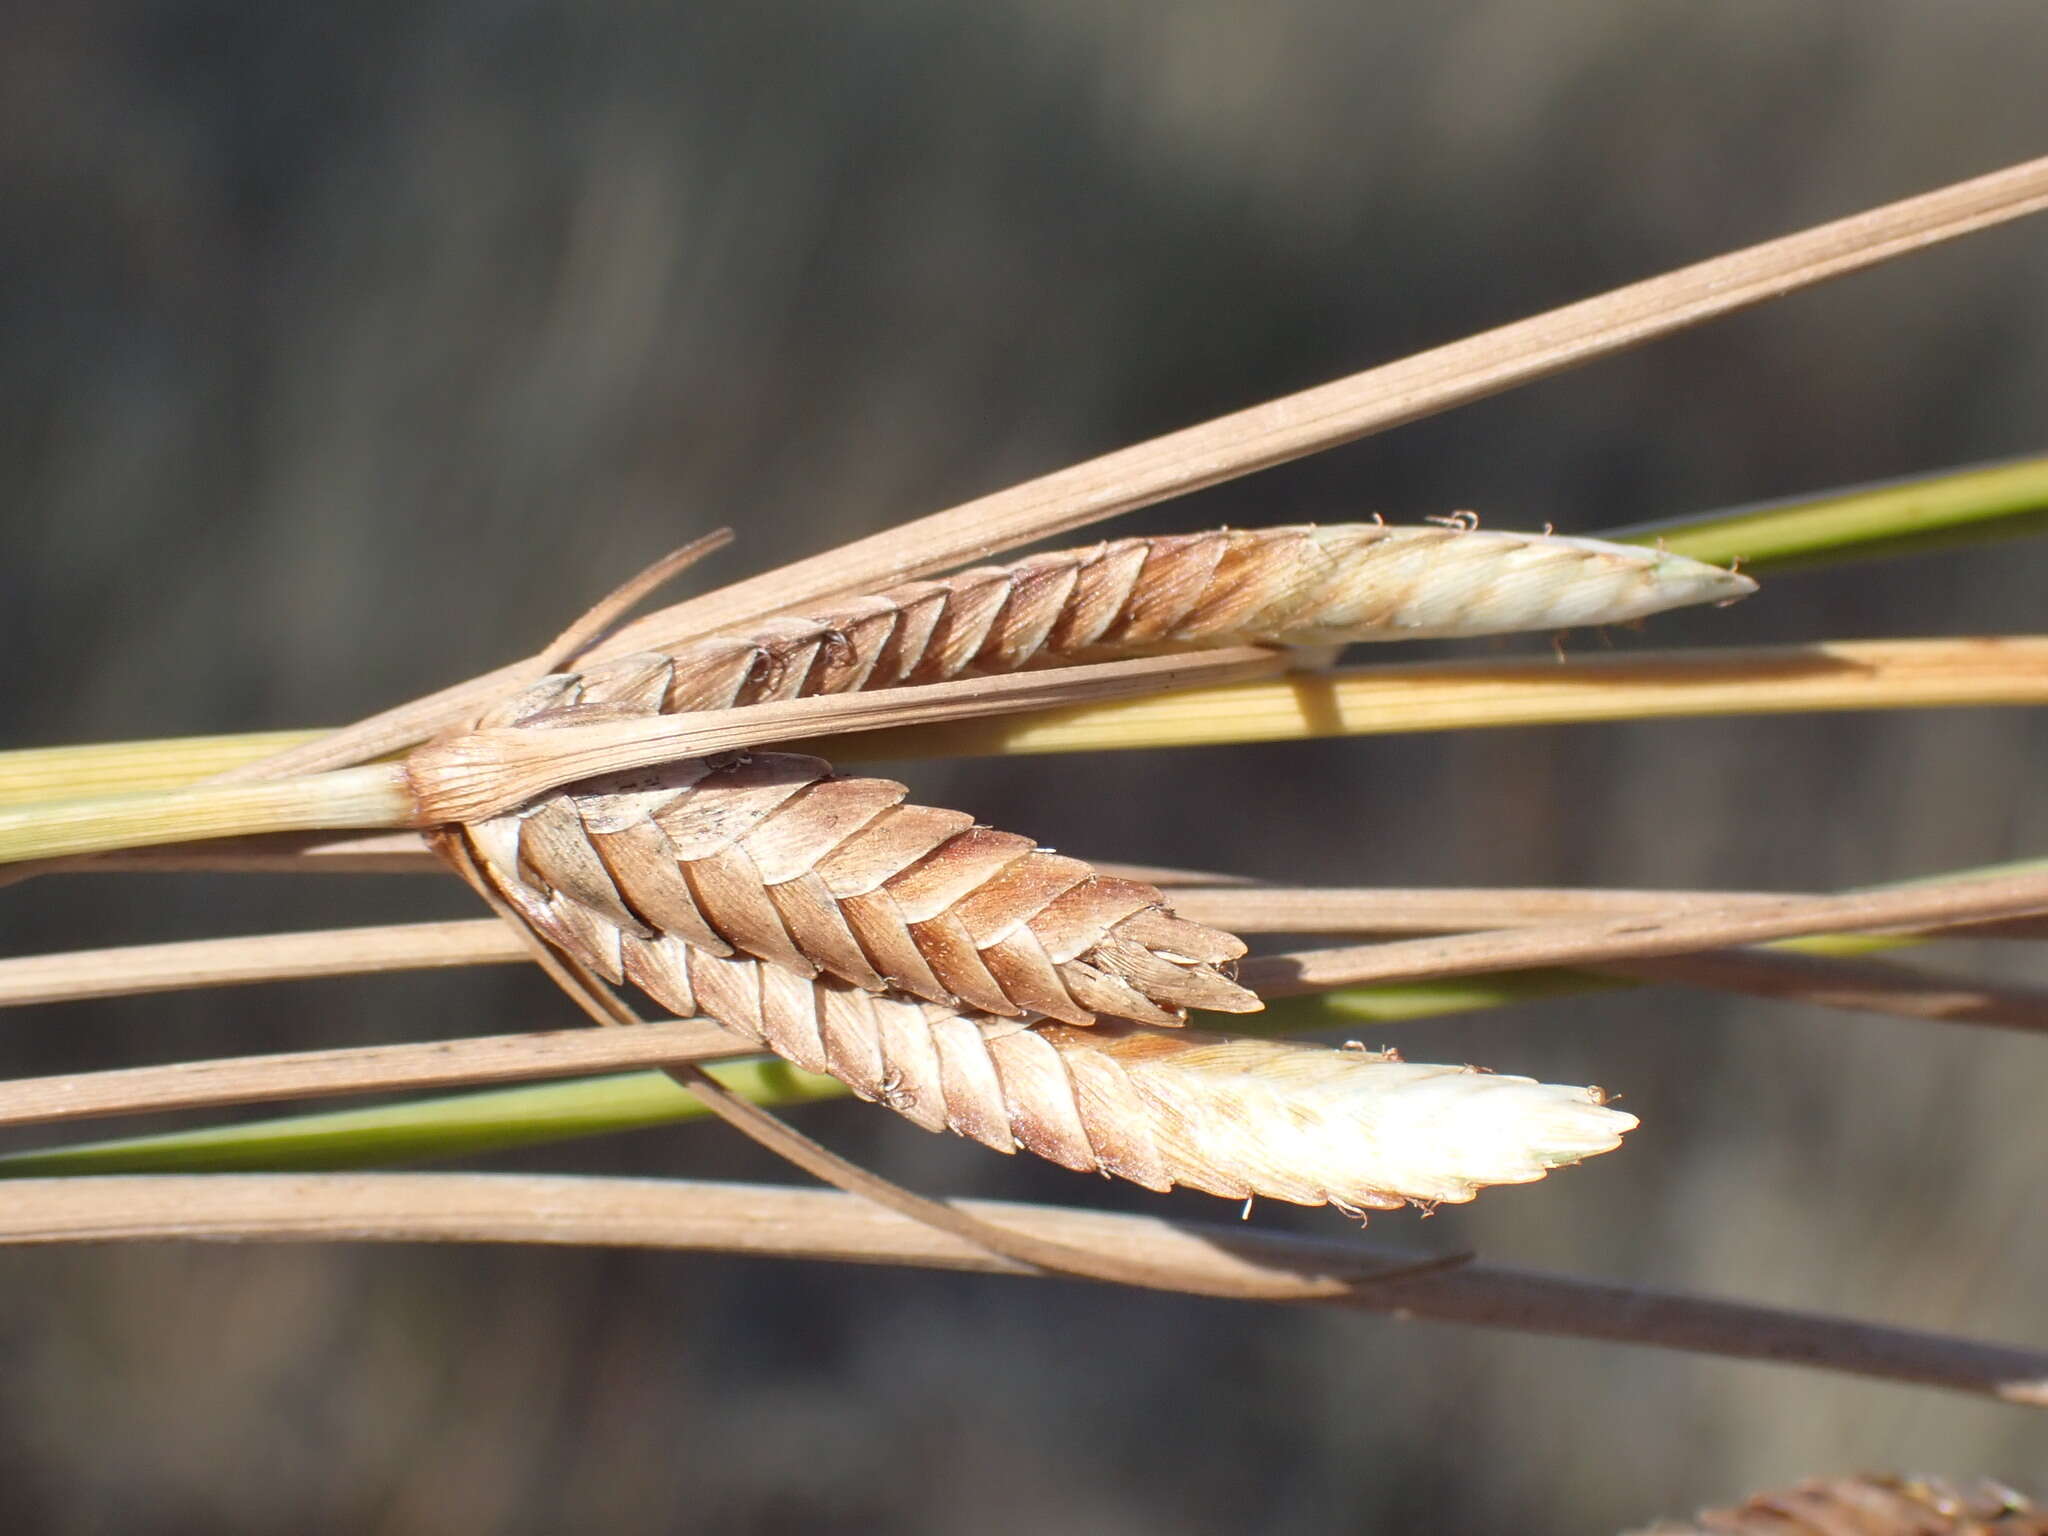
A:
<point x="1443" y="1133"/>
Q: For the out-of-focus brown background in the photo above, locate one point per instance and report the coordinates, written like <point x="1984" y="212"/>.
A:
<point x="349" y="351"/>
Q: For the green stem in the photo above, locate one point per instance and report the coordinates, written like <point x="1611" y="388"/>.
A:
<point x="376" y="796"/>
<point x="1899" y="517"/>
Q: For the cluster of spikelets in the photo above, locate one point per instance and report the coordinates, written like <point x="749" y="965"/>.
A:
<point x="976" y="982"/>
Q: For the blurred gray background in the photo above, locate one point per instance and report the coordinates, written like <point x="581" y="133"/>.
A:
<point x="349" y="351"/>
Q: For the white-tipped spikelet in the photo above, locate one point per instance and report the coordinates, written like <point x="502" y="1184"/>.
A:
<point x="1348" y="1128"/>
<point x="1304" y="585"/>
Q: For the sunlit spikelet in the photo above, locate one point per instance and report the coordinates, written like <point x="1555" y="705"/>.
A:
<point x="1314" y="1125"/>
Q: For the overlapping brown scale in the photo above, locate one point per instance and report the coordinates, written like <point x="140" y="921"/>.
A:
<point x="1125" y="593"/>
<point x="771" y="856"/>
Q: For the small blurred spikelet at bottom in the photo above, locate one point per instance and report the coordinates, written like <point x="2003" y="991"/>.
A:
<point x="1871" y="1506"/>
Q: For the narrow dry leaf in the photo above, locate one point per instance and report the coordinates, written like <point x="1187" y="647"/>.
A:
<point x="1256" y="438"/>
<point x="558" y="1053"/>
<point x="492" y="770"/>
<point x="766" y="1220"/>
<point x="1933" y="904"/>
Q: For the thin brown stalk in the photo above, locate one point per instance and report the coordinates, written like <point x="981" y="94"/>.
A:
<point x="406" y="853"/>
<point x="1856" y="985"/>
<point x="1258" y="438"/>
<point x="362" y="1069"/>
<point x="139" y="969"/>
<point x="130" y="970"/>
<point x="1628" y="938"/>
<point x="610" y="610"/>
<point x="518" y="1057"/>
<point x="794" y="1223"/>
<point x="483" y="773"/>
<point x="1350" y="408"/>
<point x="285" y="853"/>
<point x="1438" y="909"/>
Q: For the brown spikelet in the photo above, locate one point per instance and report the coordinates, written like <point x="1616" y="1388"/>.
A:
<point x="1301" y="586"/>
<point x="1161" y="1108"/>
<point x="1872" y="1506"/>
<point x="772" y="856"/>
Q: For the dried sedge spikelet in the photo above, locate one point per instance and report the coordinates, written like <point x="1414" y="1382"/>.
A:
<point x="1872" y="1506"/>
<point x="1298" y="586"/>
<point x="1236" y="1118"/>
<point x="771" y="855"/>
<point x="1350" y="1128"/>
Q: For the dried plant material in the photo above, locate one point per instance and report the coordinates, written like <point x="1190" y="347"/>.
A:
<point x="1872" y="1506"/>
<point x="1511" y="691"/>
<point x="489" y="771"/>
<point x="132" y="969"/>
<point x="1832" y="675"/>
<point x="1853" y="984"/>
<point x="1858" y="985"/>
<point x="1976" y="898"/>
<point x="1406" y="390"/>
<point x="1300" y="586"/>
<point x="1256" y="438"/>
<point x="777" y="1221"/>
<point x="486" y="772"/>
<point x="775" y="857"/>
<point x="1220" y="593"/>
<point x="1232" y="1117"/>
<point x="376" y="796"/>
<point x="1238" y="1117"/>
<point x="555" y="1053"/>
<point x="130" y="767"/>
